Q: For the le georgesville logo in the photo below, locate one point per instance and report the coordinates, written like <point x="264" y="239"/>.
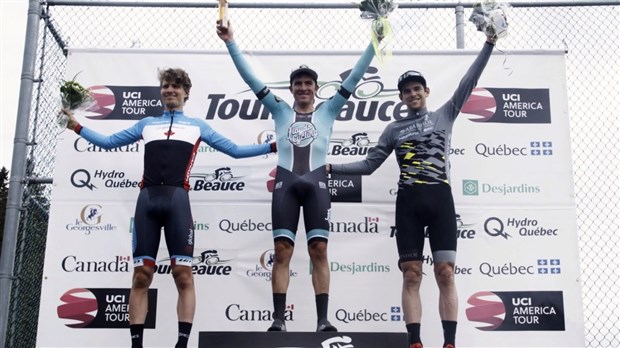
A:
<point x="83" y="308"/>
<point x="125" y="102"/>
<point x="517" y="310"/>
<point x="503" y="105"/>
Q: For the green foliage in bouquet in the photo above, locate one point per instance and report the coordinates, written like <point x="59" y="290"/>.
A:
<point x="73" y="95"/>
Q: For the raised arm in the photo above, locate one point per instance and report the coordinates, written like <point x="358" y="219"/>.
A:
<point x="349" y="83"/>
<point x="470" y="80"/>
<point x="244" y="69"/>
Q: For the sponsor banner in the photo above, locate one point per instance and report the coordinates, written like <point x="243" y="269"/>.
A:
<point x="302" y="340"/>
<point x="517" y="310"/>
<point x="513" y="197"/>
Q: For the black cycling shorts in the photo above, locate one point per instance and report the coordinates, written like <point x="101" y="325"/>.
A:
<point x="425" y="209"/>
<point x="291" y="192"/>
<point x="167" y="207"/>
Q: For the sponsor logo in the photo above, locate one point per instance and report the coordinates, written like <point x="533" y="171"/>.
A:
<point x="83" y="308"/>
<point x="474" y="188"/>
<point x="369" y="225"/>
<point x="542" y="266"/>
<point x="302" y="134"/>
<point x="541" y="148"/>
<point x="463" y="230"/>
<point x="72" y="263"/>
<point x="90" y="220"/>
<point x="517" y="310"/>
<point x="536" y="148"/>
<point x="221" y="179"/>
<point x="353" y="268"/>
<point x="526" y="227"/>
<point x="249" y="225"/>
<point x="357" y="145"/>
<point x="83" y="145"/>
<point x="125" y="102"/>
<point x="345" y="188"/>
<point x="428" y="259"/>
<point x="235" y="312"/>
<point x="365" y="315"/>
<point x="208" y="263"/>
<point x="501" y="105"/>
<point x="358" y="107"/>
<point x="264" y="267"/>
<point x="111" y="179"/>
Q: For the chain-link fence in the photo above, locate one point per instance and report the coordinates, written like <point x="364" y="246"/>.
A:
<point x="588" y="31"/>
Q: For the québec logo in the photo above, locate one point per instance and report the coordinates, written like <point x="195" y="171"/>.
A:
<point x="517" y="310"/>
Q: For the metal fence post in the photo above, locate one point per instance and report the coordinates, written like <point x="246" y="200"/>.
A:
<point x="18" y="165"/>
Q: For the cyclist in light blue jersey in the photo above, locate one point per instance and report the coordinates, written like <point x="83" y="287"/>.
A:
<point x="302" y="137"/>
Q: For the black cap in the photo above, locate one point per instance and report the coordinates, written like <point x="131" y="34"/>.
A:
<point x="304" y="69"/>
<point x="410" y="75"/>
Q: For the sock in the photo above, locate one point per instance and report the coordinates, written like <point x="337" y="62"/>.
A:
<point x="413" y="330"/>
<point x="136" y="331"/>
<point x="279" y="304"/>
<point x="321" y="306"/>
<point x="184" y="330"/>
<point x="449" y="332"/>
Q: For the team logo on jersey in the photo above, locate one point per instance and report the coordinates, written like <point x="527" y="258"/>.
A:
<point x="302" y="134"/>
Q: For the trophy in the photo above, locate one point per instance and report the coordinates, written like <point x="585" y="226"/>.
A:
<point x="222" y="16"/>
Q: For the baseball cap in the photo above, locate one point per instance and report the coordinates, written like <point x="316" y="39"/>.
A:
<point x="410" y="75"/>
<point x="304" y="69"/>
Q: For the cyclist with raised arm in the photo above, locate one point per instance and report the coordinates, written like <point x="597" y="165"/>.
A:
<point x="302" y="136"/>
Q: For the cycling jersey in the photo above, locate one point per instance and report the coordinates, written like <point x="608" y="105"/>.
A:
<point x="422" y="144"/>
<point x="171" y="142"/>
<point x="302" y="140"/>
<point x="422" y="139"/>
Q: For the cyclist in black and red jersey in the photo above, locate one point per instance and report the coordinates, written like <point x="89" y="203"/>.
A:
<point x="171" y="142"/>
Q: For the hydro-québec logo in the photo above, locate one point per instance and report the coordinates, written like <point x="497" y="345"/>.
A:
<point x="220" y="179"/>
<point x="369" y="100"/>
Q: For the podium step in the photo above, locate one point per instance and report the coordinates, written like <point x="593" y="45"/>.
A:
<point x="302" y="339"/>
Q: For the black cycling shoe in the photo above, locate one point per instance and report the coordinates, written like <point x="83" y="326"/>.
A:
<point x="325" y="326"/>
<point x="277" y="325"/>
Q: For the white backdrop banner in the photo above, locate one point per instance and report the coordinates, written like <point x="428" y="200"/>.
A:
<point x="517" y="266"/>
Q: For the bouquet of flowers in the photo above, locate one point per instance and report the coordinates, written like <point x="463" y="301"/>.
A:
<point x="378" y="11"/>
<point x="73" y="96"/>
<point x="489" y="17"/>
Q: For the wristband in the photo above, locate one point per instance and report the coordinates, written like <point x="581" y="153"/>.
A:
<point x="273" y="147"/>
<point x="77" y="129"/>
